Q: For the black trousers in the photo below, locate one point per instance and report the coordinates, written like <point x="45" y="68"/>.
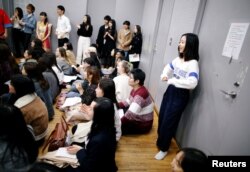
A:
<point x="173" y="104"/>
<point x="62" y="41"/>
<point x="17" y="42"/>
<point x="26" y="40"/>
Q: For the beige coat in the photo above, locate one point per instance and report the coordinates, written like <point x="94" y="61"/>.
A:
<point x="35" y="114"/>
<point x="124" y="38"/>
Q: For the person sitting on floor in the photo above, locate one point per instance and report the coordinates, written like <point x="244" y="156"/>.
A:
<point x="33" y="108"/>
<point x="139" y="116"/>
<point x="18" y="150"/>
<point x="98" y="153"/>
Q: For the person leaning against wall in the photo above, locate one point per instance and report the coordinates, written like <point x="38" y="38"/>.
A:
<point x="29" y="24"/>
<point x="124" y="38"/>
<point x="101" y="33"/>
<point x="43" y="30"/>
<point x="181" y="75"/>
<point x="63" y="27"/>
<point x="16" y="31"/>
<point x="84" y="31"/>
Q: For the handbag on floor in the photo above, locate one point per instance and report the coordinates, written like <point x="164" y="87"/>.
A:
<point x="58" y="136"/>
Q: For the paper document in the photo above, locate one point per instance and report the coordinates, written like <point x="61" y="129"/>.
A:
<point x="62" y="152"/>
<point x="134" y="58"/>
<point x="67" y="78"/>
<point x="71" y="101"/>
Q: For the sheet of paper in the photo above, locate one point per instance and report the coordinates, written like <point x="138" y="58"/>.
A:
<point x="235" y="39"/>
<point x="62" y="152"/>
<point x="134" y="58"/>
<point x="67" y="78"/>
<point x="71" y="101"/>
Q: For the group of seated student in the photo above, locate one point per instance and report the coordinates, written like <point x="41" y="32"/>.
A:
<point x="29" y="90"/>
<point x="29" y="96"/>
<point x="18" y="151"/>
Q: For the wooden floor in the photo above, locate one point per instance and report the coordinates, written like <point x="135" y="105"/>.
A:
<point x="136" y="152"/>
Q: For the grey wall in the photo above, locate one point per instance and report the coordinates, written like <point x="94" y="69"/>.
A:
<point x="214" y="122"/>
<point x="150" y="20"/>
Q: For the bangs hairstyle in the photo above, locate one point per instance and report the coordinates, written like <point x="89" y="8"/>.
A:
<point x="191" y="51"/>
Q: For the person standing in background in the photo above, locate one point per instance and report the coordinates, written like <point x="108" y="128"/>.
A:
<point x="101" y="33"/>
<point x="29" y="24"/>
<point x="136" y="44"/>
<point x="63" y="27"/>
<point x="4" y="24"/>
<point x="84" y="32"/>
<point x="109" y="43"/>
<point x="182" y="75"/>
<point x="43" y="30"/>
<point x="16" y="31"/>
<point x="124" y="38"/>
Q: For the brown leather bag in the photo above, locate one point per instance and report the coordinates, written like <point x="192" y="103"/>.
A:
<point x="58" y="136"/>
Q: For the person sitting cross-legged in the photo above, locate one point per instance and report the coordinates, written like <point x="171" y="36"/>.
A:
<point x="139" y="116"/>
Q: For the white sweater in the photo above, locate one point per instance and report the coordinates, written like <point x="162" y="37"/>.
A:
<point x="182" y="74"/>
<point x="122" y="87"/>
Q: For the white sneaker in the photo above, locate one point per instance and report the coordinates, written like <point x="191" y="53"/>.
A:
<point x="161" y="155"/>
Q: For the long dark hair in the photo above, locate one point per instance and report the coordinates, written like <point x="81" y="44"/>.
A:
<point x="14" y="132"/>
<point x="191" y="51"/>
<point x="20" y="12"/>
<point x="138" y="27"/>
<point x="46" y="62"/>
<point x="113" y="25"/>
<point x="104" y="115"/>
<point x="107" y="85"/>
<point x="88" y="22"/>
<point x="46" y="17"/>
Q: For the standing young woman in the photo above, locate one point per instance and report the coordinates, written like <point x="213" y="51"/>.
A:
<point x="136" y="44"/>
<point x="182" y="75"/>
<point x="109" y="43"/>
<point x="43" y="30"/>
<point x="84" y="32"/>
<point x="16" y="31"/>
